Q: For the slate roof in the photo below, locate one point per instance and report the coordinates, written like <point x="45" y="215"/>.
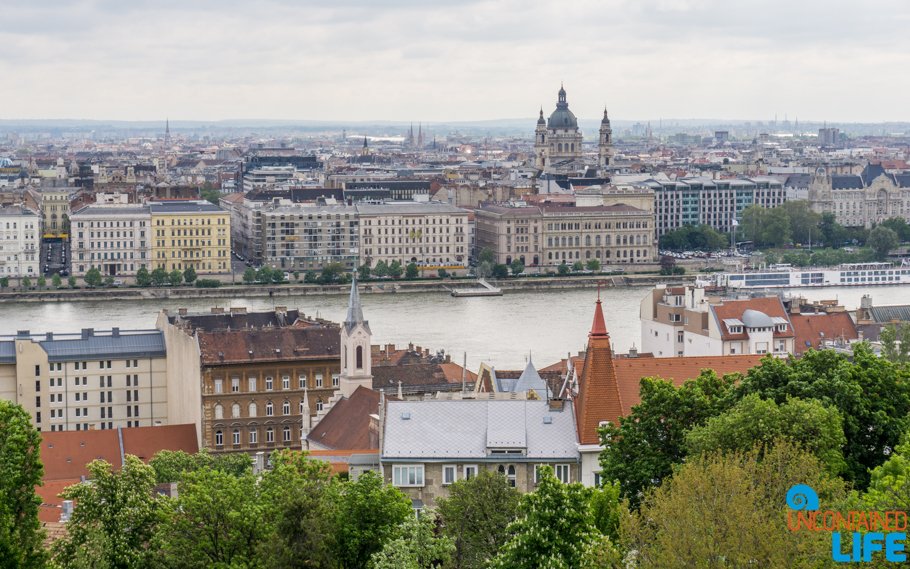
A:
<point x="465" y="430"/>
<point x="269" y="345"/>
<point x="97" y="345"/>
<point x="233" y="321"/>
<point x="800" y="181"/>
<point x="846" y="182"/>
<point x="885" y="314"/>
<point x="873" y="171"/>
<point x="813" y="328"/>
<point x="347" y="424"/>
<point x="184" y="206"/>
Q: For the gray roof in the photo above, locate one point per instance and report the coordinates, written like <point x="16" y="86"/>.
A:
<point x="467" y="430"/>
<point x="93" y="346"/>
<point x="756" y="319"/>
<point x="185" y="207"/>
<point x="530" y="379"/>
<point x="17" y="210"/>
<point x="846" y="182"/>
<point x="113" y="210"/>
<point x="885" y="314"/>
<point x="409" y="208"/>
<point x="798" y="181"/>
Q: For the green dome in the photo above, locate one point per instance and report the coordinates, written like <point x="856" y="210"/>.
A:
<point x="562" y="117"/>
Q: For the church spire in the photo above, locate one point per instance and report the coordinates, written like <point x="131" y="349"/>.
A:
<point x="599" y="327"/>
<point x="355" y="310"/>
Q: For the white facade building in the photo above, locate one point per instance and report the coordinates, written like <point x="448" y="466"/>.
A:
<point x="414" y="232"/>
<point x="112" y="238"/>
<point x="20" y="242"/>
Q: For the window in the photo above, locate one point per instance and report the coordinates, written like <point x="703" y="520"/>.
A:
<point x="269" y="409"/>
<point x="562" y="473"/>
<point x="679" y="336"/>
<point x="270" y="435"/>
<point x="252" y="384"/>
<point x="302" y="381"/>
<point x="254" y="436"/>
<point x="359" y="357"/>
<point x="318" y="380"/>
<point x="761" y="347"/>
<point x="235" y="437"/>
<point x="597" y="479"/>
<point x="509" y="473"/>
<point x="537" y="470"/>
<point x="219" y="438"/>
<point x="286" y="382"/>
<point x="319" y="405"/>
<point x="736" y="348"/>
<point x="268" y="384"/>
<point x="407" y="475"/>
<point x="235" y="385"/>
<point x="287" y="434"/>
<point x="286" y="408"/>
<point x="219" y="412"/>
<point x="334" y="380"/>
<point x="470" y="471"/>
<point x="235" y="410"/>
<point x="253" y="409"/>
<point x="448" y="475"/>
<point x="218" y="388"/>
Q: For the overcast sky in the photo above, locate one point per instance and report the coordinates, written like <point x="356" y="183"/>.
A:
<point x="454" y="60"/>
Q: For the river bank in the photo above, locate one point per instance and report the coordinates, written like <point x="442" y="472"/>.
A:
<point x="370" y="287"/>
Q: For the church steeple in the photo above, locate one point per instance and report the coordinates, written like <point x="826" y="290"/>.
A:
<point x="365" y="151"/>
<point x="167" y="131"/>
<point x="355" y="348"/>
<point x="419" y="136"/>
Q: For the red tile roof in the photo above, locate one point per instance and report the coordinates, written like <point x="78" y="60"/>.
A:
<point x="814" y="328"/>
<point x="772" y="306"/>
<point x="347" y="424"/>
<point x="598" y="393"/>
<point x="269" y="345"/>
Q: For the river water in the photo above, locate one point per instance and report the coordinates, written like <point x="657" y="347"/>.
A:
<point x="498" y="330"/>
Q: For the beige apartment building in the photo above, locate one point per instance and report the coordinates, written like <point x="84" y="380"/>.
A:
<point x="54" y="204"/>
<point x="612" y="234"/>
<point x="93" y="380"/>
<point x="114" y="238"/>
<point x="511" y="232"/>
<point x="425" y="233"/>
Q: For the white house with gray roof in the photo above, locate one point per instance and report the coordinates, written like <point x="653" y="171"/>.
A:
<point x="428" y="445"/>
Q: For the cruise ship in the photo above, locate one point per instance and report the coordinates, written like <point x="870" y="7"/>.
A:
<point x="787" y="276"/>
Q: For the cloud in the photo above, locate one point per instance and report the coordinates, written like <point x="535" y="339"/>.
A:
<point x="458" y="60"/>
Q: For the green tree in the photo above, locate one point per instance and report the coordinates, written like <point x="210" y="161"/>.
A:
<point x="109" y="280"/>
<point x="771" y="259"/>
<point x="517" y="266"/>
<point x="640" y="452"/>
<point x="42" y="281"/>
<point x="363" y="271"/>
<point x="218" y="520"/>
<point x="310" y="276"/>
<point x="476" y="516"/>
<point x="500" y="271"/>
<point x="882" y="241"/>
<point x="381" y="269"/>
<point x="833" y="233"/>
<point x="297" y="276"/>
<point x="264" y="274"/>
<point x="485" y="270"/>
<point x="872" y="424"/>
<point x="56" y="281"/>
<point x="555" y="527"/>
<point x="249" y="275"/>
<point x="70" y="281"/>
<point x="170" y="466"/>
<point x="143" y="278"/>
<point x="189" y="275"/>
<point x="368" y="515"/>
<point x="577" y="266"/>
<point x="752" y="224"/>
<point x="175" y="277"/>
<point x="593" y="265"/>
<point x="117" y="508"/>
<point x="776" y="227"/>
<point x="412" y="272"/>
<point x="895" y="342"/>
<point x="4" y="282"/>
<point x="26" y="282"/>
<point x="21" y="537"/>
<point x="332" y="270"/>
<point x="442" y="273"/>
<point x="93" y="277"/>
<point x="605" y="506"/>
<point x="699" y="517"/>
<point x="898" y="226"/>
<point x="486" y="256"/>
<point x="889" y="487"/>
<point x="809" y="424"/>
<point x="803" y="221"/>
<point x="278" y="277"/>
<point x="666" y="265"/>
<point x="562" y="269"/>
<point x="395" y="269"/>
<point x="419" y="545"/>
<point x="159" y="276"/>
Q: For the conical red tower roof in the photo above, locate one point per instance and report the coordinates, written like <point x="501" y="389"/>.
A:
<point x="599" y="328"/>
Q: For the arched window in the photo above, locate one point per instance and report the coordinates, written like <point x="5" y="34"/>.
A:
<point x="319" y="404"/>
<point x="270" y="435"/>
<point x="219" y="438"/>
<point x="638" y="239"/>
<point x="597" y="240"/>
<point x="625" y="254"/>
<point x="577" y="241"/>
<point x="219" y="412"/>
<point x="560" y="147"/>
<point x="359" y="357"/>
<point x="301" y="408"/>
<point x="573" y="146"/>
<point x="235" y="437"/>
<point x="235" y="410"/>
<point x="286" y="408"/>
<point x="254" y="436"/>
<point x="587" y="239"/>
<point x="269" y="409"/>
<point x="607" y="240"/>
<point x="287" y="434"/>
<point x="253" y="409"/>
<point x="597" y="254"/>
<point x="587" y="254"/>
<point x="607" y="254"/>
<point x="549" y="241"/>
<point x="625" y="239"/>
<point x="551" y="255"/>
<point x="509" y="473"/>
<point x="577" y="254"/>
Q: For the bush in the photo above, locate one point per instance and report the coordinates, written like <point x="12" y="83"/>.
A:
<point x="208" y="283"/>
<point x="562" y="269"/>
<point x="442" y="273"/>
<point x="679" y="270"/>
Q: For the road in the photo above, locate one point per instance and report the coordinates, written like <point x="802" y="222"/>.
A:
<point x="54" y="258"/>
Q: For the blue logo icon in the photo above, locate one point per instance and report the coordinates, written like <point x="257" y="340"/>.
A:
<point x="802" y="497"/>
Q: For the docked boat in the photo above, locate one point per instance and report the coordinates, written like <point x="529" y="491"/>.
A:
<point x="787" y="276"/>
<point x="485" y="289"/>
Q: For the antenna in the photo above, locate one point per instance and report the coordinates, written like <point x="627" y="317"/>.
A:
<point x="605" y="283"/>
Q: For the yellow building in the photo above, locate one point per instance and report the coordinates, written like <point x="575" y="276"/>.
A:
<point x="54" y="204"/>
<point x="191" y="233"/>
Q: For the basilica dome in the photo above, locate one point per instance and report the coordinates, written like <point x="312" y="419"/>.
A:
<point x="562" y="117"/>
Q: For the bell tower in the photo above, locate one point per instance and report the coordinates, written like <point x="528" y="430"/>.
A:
<point x="540" y="141"/>
<point x="605" y="143"/>
<point x="355" y="348"/>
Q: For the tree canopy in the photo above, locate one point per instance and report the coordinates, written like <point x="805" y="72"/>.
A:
<point x="21" y="471"/>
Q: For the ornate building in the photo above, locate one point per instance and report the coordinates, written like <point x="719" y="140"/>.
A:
<point x="605" y="142"/>
<point x="861" y="200"/>
<point x="559" y="140"/>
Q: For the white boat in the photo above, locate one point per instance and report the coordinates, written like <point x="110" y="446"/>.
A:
<point x="787" y="276"/>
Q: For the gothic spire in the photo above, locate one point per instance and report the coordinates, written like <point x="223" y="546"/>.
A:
<point x="355" y="310"/>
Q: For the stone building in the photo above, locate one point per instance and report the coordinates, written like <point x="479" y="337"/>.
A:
<point x="115" y="239"/>
<point x="511" y="231"/>
<point x="557" y="140"/>
<point x="610" y="234"/>
<point x="861" y="200"/>
<point x="191" y="233"/>
<point x="414" y="232"/>
<point x="20" y="242"/>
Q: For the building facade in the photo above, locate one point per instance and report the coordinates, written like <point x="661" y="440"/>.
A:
<point x="20" y="242"/>
<point x="558" y="140"/>
<point x="414" y="232"/>
<point x="861" y="200"/>
<point x="54" y="204"/>
<point x="115" y="239"/>
<point x="611" y="234"/>
<point x="190" y="233"/>
<point x="309" y="237"/>
<point x="510" y="231"/>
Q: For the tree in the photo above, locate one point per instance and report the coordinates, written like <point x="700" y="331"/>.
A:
<point x="771" y="259"/>
<point x="175" y="277"/>
<point x="555" y="527"/>
<point x="419" y="545"/>
<point x="500" y="271"/>
<point x="562" y="269"/>
<point x="873" y="424"/>
<point x="26" y="282"/>
<point x="889" y="487"/>
<point x="752" y="224"/>
<point x="442" y="273"/>
<point x="412" y="272"/>
<point x="395" y="269"/>
<point x="56" y="281"/>
<point x="216" y="521"/>
<point x="310" y="276"/>
<point x="803" y="221"/>
<point x="833" y="233"/>
<point x="381" y="269"/>
<point x="697" y="518"/>
<point x="368" y="515"/>
<point x="517" y="266"/>
<point x="210" y="194"/>
<point x="42" y="281"/>
<point x="332" y="270"/>
<point x="577" y="266"/>
<point x="159" y="276"/>
<point x="4" y="282"/>
<point x="278" y="277"/>
<point x="605" y="506"/>
<point x="297" y="276"/>
<point x="476" y="516"/>
<point x="486" y="256"/>
<point x="189" y="275"/>
<point x="882" y="240"/>
<point x="264" y="274"/>
<point x="249" y="275"/>
<point x="776" y="227"/>
<point x="93" y="277"/>
<point x="117" y="508"/>
<point x="21" y="537"/>
<point x="143" y="278"/>
<point x="171" y="466"/>
<point x="70" y="281"/>
<point x="809" y="424"/>
<point x="593" y="265"/>
<point x="666" y="265"/>
<point x="109" y="280"/>
<point x="898" y="226"/>
<point x="485" y="269"/>
<point x="363" y="271"/>
<point x="640" y="452"/>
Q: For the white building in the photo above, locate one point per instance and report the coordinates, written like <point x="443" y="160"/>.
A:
<point x="112" y="238"/>
<point x="425" y="233"/>
<point x="20" y="242"/>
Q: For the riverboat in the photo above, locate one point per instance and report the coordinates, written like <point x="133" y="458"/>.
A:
<point x="787" y="276"/>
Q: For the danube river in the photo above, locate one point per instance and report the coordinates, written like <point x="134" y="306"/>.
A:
<point x="499" y="330"/>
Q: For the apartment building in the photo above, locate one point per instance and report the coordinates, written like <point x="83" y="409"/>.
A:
<point x="54" y="204"/>
<point x="681" y="321"/>
<point x="510" y="231"/>
<point x="305" y="237"/>
<point x="190" y="233"/>
<point x="414" y="232"/>
<point x="92" y="380"/>
<point x="115" y="239"/>
<point x="20" y="242"/>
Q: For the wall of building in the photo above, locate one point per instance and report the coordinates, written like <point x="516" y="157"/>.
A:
<point x="184" y="377"/>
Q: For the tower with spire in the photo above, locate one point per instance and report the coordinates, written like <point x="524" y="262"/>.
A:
<point x="355" y="348"/>
<point x="411" y="138"/>
<point x="365" y="151"/>
<point x="540" y="141"/>
<point x="605" y="143"/>
<point x="167" y="131"/>
<point x="419" y="136"/>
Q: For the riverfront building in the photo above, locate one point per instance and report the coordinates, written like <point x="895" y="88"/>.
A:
<point x="309" y="237"/>
<point x="190" y="233"/>
<point x="115" y="239"/>
<point x="20" y="242"/>
<point x="414" y="232"/>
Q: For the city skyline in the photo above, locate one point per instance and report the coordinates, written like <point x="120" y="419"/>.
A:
<point x="401" y="61"/>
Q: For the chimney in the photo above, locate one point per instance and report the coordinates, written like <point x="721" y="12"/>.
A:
<point x="115" y="332"/>
<point x="50" y="336"/>
<point x="218" y="311"/>
<point x="859" y="336"/>
<point x="389" y="348"/>
<point x="448" y="358"/>
<point x="67" y="511"/>
<point x="556" y="405"/>
<point x="633" y="352"/>
<point x="181" y="311"/>
<point x="410" y="347"/>
<point x="281" y="309"/>
<point x="238" y="310"/>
